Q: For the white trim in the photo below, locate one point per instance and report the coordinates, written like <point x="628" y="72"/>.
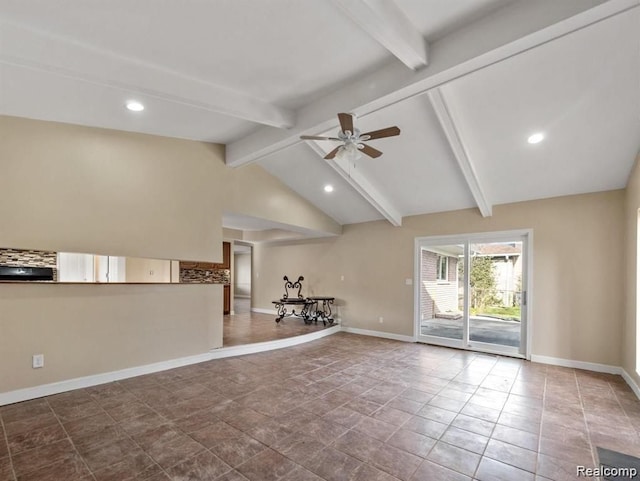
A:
<point x="264" y="311"/>
<point x="244" y="349"/>
<point x="428" y="242"/>
<point x="385" y="335"/>
<point x="528" y="265"/>
<point x="389" y="25"/>
<point x="588" y="366"/>
<point x="459" y="149"/>
<point x="417" y="259"/>
<point x="476" y="47"/>
<point x="22" y="47"/>
<point x="441" y="342"/>
<point x="25" y="394"/>
<point x="362" y="185"/>
<point x="496" y="236"/>
<point x="97" y="379"/>
<point x="498" y="349"/>
<point x="632" y="384"/>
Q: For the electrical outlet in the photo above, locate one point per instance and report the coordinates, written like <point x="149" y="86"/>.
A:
<point x="408" y="282"/>
<point x="37" y="361"/>
<point x="342" y="278"/>
<point x="150" y="273"/>
<point x="381" y="319"/>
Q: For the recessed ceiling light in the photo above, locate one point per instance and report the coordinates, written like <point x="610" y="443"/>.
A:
<point x="328" y="188"/>
<point x="535" y="138"/>
<point x="135" y="106"/>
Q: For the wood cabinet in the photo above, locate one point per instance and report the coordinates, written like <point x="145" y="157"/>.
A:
<point x="226" y="257"/>
<point x="226" y="303"/>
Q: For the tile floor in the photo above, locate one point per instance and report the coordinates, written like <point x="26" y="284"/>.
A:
<point x="246" y="327"/>
<point x="344" y="407"/>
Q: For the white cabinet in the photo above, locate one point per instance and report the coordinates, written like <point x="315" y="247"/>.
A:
<point x="110" y="269"/>
<point x="75" y="267"/>
<point x="89" y="268"/>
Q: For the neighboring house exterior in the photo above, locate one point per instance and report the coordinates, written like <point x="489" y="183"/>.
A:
<point x="507" y="269"/>
<point x="439" y="283"/>
<point x="441" y="292"/>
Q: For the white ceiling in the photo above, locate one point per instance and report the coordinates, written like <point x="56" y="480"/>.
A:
<point x="467" y="81"/>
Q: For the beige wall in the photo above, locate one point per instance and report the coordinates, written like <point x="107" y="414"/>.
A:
<point x="577" y="261"/>
<point x="252" y="191"/>
<point x="79" y="189"/>
<point x="629" y="329"/>
<point x="83" y="329"/>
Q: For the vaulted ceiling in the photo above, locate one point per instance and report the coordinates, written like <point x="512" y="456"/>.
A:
<point x="467" y="82"/>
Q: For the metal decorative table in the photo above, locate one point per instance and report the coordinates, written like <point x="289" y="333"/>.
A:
<point x="305" y="313"/>
<point x="321" y="309"/>
<point x="312" y="309"/>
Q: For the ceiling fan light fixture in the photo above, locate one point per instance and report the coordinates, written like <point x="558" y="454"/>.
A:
<point x="536" y="138"/>
<point x="352" y="140"/>
<point x="349" y="151"/>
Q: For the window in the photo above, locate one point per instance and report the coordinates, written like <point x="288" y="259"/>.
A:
<point x="443" y="268"/>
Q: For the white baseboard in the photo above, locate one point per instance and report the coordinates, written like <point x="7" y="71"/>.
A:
<point x="264" y="311"/>
<point x="271" y="345"/>
<point x="632" y="384"/>
<point x="385" y="335"/>
<point x="587" y="366"/>
<point x="18" y="395"/>
<point x="25" y="394"/>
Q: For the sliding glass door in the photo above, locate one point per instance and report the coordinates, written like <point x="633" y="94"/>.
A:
<point x="471" y="291"/>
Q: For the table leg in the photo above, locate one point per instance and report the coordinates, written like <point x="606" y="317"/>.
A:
<point x="282" y="311"/>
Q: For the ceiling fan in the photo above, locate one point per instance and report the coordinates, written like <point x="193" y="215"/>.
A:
<point x="352" y="140"/>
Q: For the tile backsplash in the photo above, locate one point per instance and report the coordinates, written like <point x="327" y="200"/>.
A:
<point x="29" y="258"/>
<point x="208" y="276"/>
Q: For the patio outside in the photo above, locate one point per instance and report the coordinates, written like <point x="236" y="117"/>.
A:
<point x="494" y="296"/>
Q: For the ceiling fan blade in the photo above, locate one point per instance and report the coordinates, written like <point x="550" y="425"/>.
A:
<point x="317" y="137"/>
<point x="333" y="153"/>
<point x="346" y="122"/>
<point x="370" y="151"/>
<point x="378" y="134"/>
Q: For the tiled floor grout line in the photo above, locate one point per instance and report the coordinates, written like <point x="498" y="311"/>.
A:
<point x="544" y="400"/>
<point x="69" y="438"/>
<point x="171" y="422"/>
<point x="439" y="439"/>
<point x="127" y="435"/>
<point x="386" y="374"/>
<point x="586" y="424"/>
<point x="494" y="424"/>
<point x="6" y="440"/>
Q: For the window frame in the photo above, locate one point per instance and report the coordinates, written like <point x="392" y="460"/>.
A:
<point x="439" y="260"/>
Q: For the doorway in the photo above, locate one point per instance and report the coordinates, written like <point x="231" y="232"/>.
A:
<point x="242" y="261"/>
<point x="473" y="292"/>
